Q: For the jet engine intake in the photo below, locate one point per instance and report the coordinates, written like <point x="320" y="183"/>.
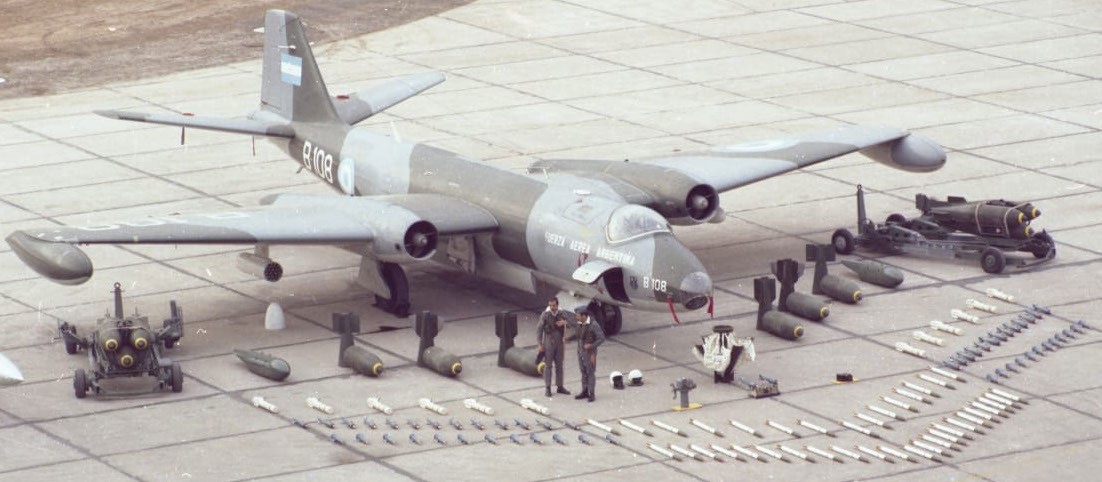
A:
<point x="405" y="242"/>
<point x="698" y="205"/>
<point x="702" y="202"/>
<point x="260" y="267"/>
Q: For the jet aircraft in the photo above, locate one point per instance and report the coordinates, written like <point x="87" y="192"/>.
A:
<point x="596" y="231"/>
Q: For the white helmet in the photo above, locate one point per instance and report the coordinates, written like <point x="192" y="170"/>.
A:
<point x="616" y="379"/>
<point x="635" y="378"/>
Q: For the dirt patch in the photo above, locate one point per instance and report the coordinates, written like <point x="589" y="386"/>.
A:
<point x="51" y="47"/>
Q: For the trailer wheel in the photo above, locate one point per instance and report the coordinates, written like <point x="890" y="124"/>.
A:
<point x="80" y="384"/>
<point x="177" y="377"/>
<point x="843" y="241"/>
<point x="992" y="260"/>
<point x="1041" y="250"/>
<point x="70" y="346"/>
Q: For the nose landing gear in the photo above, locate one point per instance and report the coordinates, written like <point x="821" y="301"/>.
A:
<point x="609" y="316"/>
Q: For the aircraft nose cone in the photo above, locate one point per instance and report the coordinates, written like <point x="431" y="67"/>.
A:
<point x="697" y="287"/>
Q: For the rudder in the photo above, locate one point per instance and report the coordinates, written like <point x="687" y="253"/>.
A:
<point x="292" y="85"/>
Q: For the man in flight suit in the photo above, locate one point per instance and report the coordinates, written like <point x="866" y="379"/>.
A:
<point x="589" y="336"/>
<point x="551" y="338"/>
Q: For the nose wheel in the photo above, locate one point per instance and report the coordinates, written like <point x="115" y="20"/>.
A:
<point x="609" y="316"/>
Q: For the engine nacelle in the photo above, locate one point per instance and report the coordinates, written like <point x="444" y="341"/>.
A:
<point x="699" y="205"/>
<point x="679" y="197"/>
<point x="260" y="267"/>
<point x="397" y="241"/>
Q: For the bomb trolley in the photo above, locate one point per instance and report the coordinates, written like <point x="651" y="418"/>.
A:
<point x="126" y="346"/>
<point x="954" y="229"/>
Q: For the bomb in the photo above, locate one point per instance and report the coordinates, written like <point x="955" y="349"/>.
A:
<point x="264" y="364"/>
<point x="876" y="272"/>
<point x="826" y="284"/>
<point x="522" y="360"/>
<point x="359" y="358"/>
<point x="788" y="271"/>
<point x="781" y="324"/>
<point x="427" y="326"/>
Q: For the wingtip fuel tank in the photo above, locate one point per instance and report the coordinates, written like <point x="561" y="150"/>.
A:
<point x="59" y="262"/>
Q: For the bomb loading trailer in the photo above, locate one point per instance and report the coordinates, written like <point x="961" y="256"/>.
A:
<point x="126" y="346"/>
<point x="956" y="229"/>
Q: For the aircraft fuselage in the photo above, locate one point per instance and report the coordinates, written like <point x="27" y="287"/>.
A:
<point x="550" y="225"/>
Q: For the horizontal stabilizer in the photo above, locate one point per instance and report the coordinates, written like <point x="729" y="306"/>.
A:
<point x="368" y="102"/>
<point x="239" y="125"/>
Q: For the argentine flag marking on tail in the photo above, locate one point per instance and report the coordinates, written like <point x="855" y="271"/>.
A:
<point x="290" y="69"/>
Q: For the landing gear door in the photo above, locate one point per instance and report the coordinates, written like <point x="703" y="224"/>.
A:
<point x="371" y="277"/>
<point x="461" y="253"/>
<point x="591" y="271"/>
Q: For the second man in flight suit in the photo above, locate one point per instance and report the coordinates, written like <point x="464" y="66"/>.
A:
<point x="589" y="336"/>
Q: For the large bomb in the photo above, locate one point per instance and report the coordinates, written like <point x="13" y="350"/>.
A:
<point x="264" y="364"/>
<point x="875" y="272"/>
<point x="826" y="284"/>
<point x="788" y="271"/>
<point x="783" y="325"/>
<point x="140" y="338"/>
<point x="125" y="356"/>
<point x="427" y="326"/>
<point x="986" y="218"/>
<point x="508" y="355"/>
<point x="358" y="358"/>
<point x="111" y="339"/>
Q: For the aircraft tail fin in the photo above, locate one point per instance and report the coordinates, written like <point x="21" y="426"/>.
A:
<point x="292" y="86"/>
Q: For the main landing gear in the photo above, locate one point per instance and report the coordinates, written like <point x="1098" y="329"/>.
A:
<point x="395" y="278"/>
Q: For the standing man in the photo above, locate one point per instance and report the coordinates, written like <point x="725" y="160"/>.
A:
<point x="590" y="336"/>
<point x="551" y="338"/>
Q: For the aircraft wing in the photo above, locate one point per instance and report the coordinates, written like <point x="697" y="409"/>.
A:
<point x="390" y="222"/>
<point x="368" y="102"/>
<point x="237" y="125"/>
<point x="728" y="167"/>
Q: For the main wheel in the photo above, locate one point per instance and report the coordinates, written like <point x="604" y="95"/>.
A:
<point x="80" y="383"/>
<point x="177" y="377"/>
<point x="609" y="316"/>
<point x="843" y="241"/>
<point x="396" y="281"/>
<point x="992" y="260"/>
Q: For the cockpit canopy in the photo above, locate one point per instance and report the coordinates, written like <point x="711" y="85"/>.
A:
<point x="632" y="221"/>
